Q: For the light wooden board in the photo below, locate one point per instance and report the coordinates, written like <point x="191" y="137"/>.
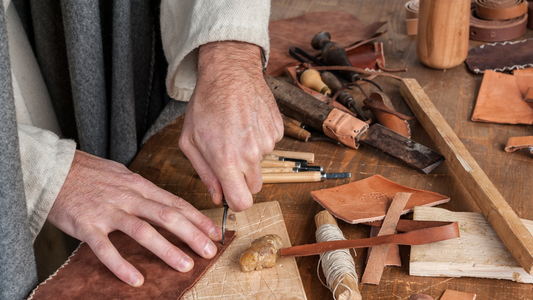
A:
<point x="225" y="280"/>
<point x="479" y="252"/>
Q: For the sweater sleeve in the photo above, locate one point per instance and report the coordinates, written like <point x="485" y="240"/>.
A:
<point x="46" y="161"/>
<point x="186" y="25"/>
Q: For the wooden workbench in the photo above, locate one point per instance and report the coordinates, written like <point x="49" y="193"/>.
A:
<point x="453" y="92"/>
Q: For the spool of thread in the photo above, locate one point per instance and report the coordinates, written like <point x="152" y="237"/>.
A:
<point x="443" y="27"/>
<point x="338" y="266"/>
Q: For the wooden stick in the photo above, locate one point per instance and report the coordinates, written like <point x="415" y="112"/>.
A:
<point x="277" y="164"/>
<point x="309" y="156"/>
<point x="277" y="170"/>
<point x="291" y="177"/>
<point x="501" y="216"/>
<point x="342" y="292"/>
<point x="292" y="128"/>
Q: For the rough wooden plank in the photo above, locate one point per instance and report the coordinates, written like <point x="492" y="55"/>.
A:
<point x="479" y="252"/>
<point x="225" y="280"/>
<point x="500" y="215"/>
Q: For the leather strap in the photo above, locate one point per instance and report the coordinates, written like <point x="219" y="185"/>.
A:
<point x="496" y="30"/>
<point x="500" y="9"/>
<point x="416" y="237"/>
<point x="344" y="128"/>
<point x="520" y="142"/>
<point x="411" y="17"/>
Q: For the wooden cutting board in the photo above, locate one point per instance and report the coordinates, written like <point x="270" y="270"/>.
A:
<point x="479" y="252"/>
<point x="225" y="280"/>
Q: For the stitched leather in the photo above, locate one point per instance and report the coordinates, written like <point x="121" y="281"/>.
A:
<point x="344" y="128"/>
<point x="501" y="56"/>
<point x="85" y="277"/>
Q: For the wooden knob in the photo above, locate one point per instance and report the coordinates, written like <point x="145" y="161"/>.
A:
<point x="311" y="78"/>
<point x="333" y="54"/>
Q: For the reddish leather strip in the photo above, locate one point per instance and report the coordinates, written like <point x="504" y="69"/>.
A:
<point x="496" y="30"/>
<point x="410" y="225"/>
<point x="500" y="9"/>
<point x="416" y="237"/>
<point x="520" y="142"/>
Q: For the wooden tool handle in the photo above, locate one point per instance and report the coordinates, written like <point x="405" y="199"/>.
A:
<point x="292" y="128"/>
<point x="342" y="292"/>
<point x="333" y="54"/>
<point x="501" y="216"/>
<point x="309" y="156"/>
<point x="311" y="78"/>
<point x="277" y="164"/>
<point x="277" y="170"/>
<point x="292" y="177"/>
<point x="344" y="98"/>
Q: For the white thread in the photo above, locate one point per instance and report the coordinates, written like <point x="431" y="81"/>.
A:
<point x="336" y="264"/>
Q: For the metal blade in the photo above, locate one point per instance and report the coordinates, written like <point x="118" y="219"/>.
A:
<point x="406" y="150"/>
<point x="224" y="218"/>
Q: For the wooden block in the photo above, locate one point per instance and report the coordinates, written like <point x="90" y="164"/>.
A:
<point x="456" y="295"/>
<point x="479" y="252"/>
<point x="376" y="260"/>
<point x="501" y="216"/>
<point x="225" y="280"/>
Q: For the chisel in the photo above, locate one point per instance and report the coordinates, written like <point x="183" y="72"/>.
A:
<point x="301" y="177"/>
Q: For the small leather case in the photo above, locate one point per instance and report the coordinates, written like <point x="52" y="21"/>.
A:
<point x="367" y="200"/>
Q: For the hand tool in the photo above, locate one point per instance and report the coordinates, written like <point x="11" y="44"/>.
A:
<point x="344" y="97"/>
<point x="300" y="106"/>
<point x="308" y="156"/>
<point x="311" y="78"/>
<point x="501" y="216"/>
<point x="302" y="177"/>
<point x="280" y="164"/>
<point x="293" y="170"/>
<point x="293" y="129"/>
<point x="272" y="157"/>
<point x="224" y="218"/>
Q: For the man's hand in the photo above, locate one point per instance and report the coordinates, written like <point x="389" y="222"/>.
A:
<point x="100" y="196"/>
<point x="232" y="121"/>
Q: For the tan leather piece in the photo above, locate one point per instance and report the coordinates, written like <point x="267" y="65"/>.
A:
<point x="382" y="108"/>
<point x="378" y="255"/>
<point x="456" y="295"/>
<point x="344" y="128"/>
<point x="516" y="143"/>
<point x="528" y="97"/>
<point x="417" y="237"/>
<point x="500" y="101"/>
<point x="367" y="200"/>
<point x="344" y="28"/>
<point x="524" y="80"/>
<point x="411" y="17"/>
<point x="393" y="255"/>
<point x="500" y="9"/>
<point x="420" y="297"/>
<point x="85" y="277"/>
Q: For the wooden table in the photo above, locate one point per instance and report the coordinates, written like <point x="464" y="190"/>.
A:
<point x="453" y="92"/>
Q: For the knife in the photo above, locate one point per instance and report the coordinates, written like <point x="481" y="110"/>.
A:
<point x="305" y="108"/>
<point x="224" y="218"/>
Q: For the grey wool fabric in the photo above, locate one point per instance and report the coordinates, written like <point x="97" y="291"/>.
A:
<point x="18" y="274"/>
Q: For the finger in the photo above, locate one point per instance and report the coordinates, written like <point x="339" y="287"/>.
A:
<point x="207" y="175"/>
<point x="152" y="240"/>
<point x="109" y="256"/>
<point x="175" y="222"/>
<point x="254" y="177"/>
<point x="236" y="190"/>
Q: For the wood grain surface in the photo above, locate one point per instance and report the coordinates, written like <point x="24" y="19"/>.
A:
<point x="453" y="92"/>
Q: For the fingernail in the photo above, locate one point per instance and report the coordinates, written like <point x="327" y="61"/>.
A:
<point x="185" y="264"/>
<point x="135" y="280"/>
<point x="210" y="250"/>
<point x="215" y="233"/>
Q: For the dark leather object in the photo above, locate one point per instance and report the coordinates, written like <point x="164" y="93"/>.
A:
<point x="500" y="9"/>
<point x="496" y="30"/>
<point x="344" y="28"/>
<point x="85" y="277"/>
<point x="500" y="57"/>
<point x="530" y="13"/>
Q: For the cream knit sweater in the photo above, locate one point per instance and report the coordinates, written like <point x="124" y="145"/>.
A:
<point x="185" y="25"/>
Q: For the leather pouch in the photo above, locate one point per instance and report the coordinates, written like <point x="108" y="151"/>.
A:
<point x="382" y="108"/>
<point x="500" y="101"/>
<point x="344" y="28"/>
<point x="344" y="128"/>
<point x="367" y="200"/>
<point x="85" y="277"/>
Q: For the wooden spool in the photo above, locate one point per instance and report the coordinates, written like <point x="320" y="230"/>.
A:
<point x="443" y="31"/>
<point x="341" y="293"/>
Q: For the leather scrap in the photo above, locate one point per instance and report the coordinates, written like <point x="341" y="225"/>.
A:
<point x="378" y="255"/>
<point x="367" y="200"/>
<point x="416" y="237"/>
<point x="456" y="295"/>
<point x="496" y="30"/>
<point x="344" y="128"/>
<point x="524" y="80"/>
<point x="411" y="17"/>
<point x="85" y="277"/>
<point x="521" y="142"/>
<point x="501" y="57"/>
<point x="499" y="101"/>
<point x="344" y="28"/>
<point x="393" y="256"/>
<point x="500" y="9"/>
<point x="383" y="109"/>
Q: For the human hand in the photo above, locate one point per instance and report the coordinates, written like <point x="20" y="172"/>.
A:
<point x="100" y="196"/>
<point x="231" y="122"/>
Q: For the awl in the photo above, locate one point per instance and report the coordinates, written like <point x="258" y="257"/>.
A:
<point x="300" y="106"/>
